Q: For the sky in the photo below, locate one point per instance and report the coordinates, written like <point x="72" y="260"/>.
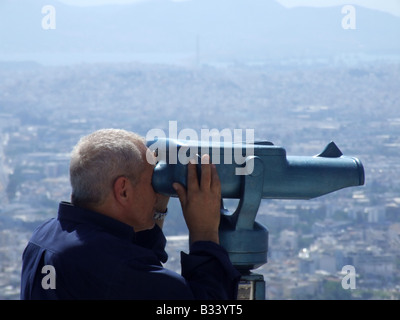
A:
<point x="390" y="6"/>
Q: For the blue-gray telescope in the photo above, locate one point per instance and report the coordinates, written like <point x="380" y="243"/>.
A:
<point x="252" y="172"/>
<point x="284" y="177"/>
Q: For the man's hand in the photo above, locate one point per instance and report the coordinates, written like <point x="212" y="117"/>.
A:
<point x="201" y="202"/>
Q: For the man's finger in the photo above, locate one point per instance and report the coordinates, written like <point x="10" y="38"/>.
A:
<point x="180" y="190"/>
<point x="205" y="182"/>
<point x="215" y="182"/>
<point x="192" y="180"/>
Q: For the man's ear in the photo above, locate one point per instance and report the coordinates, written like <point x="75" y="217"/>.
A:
<point x="120" y="188"/>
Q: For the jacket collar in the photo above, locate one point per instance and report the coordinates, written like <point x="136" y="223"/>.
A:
<point x="67" y="211"/>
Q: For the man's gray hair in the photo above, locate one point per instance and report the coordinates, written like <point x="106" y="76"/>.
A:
<point x="99" y="159"/>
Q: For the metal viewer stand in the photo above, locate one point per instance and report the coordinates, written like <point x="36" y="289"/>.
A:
<point x="245" y="239"/>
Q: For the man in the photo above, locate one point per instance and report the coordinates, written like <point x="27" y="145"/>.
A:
<point x="108" y="243"/>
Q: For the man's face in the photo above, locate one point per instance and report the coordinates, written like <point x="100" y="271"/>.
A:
<point x="144" y="199"/>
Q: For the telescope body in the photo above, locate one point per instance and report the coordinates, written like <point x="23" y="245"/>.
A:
<point x="285" y="177"/>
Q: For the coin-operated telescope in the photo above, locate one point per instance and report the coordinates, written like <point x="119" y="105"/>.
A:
<point x="251" y="172"/>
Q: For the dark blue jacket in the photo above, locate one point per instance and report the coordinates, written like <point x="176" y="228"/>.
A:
<point x="93" y="256"/>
